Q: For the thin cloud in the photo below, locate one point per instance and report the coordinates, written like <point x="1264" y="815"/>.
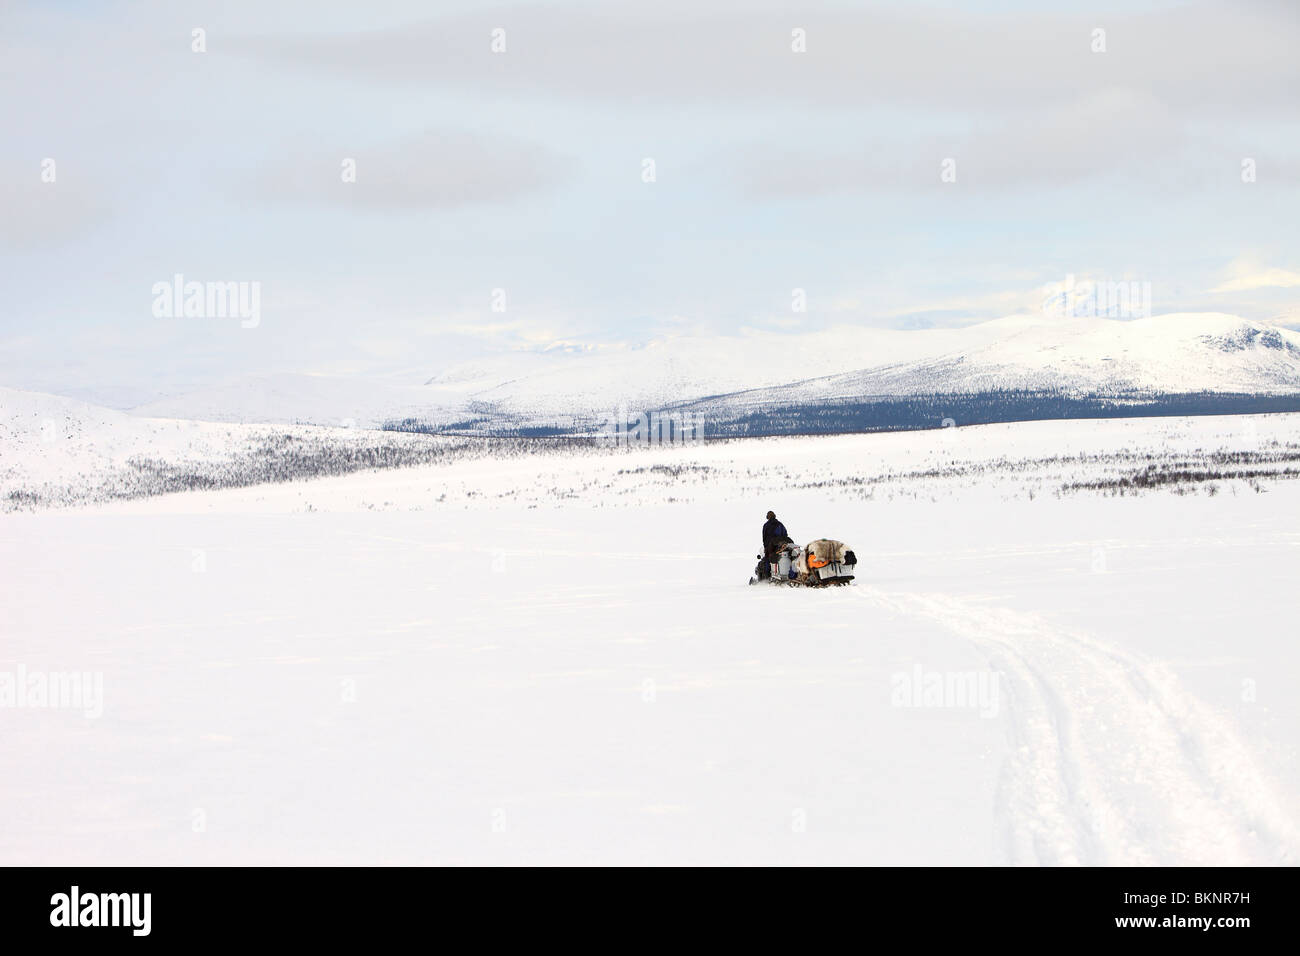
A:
<point x="436" y="169"/>
<point x="1218" y="58"/>
<point x="1260" y="279"/>
<point x="1066" y="145"/>
<point x="35" y="213"/>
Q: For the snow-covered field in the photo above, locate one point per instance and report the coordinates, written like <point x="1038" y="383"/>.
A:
<point x="554" y="658"/>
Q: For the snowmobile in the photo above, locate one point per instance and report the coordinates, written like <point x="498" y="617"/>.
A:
<point x="818" y="564"/>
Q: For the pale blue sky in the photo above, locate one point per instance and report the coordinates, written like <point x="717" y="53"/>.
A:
<point x="522" y="171"/>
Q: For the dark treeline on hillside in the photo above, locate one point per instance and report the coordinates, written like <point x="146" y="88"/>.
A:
<point x="487" y="428"/>
<point x="722" y="418"/>
<point x="276" y="458"/>
<point x="910" y="413"/>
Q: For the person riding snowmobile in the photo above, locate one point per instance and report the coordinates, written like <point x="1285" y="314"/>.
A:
<point x="774" y="537"/>
<point x="821" y="563"/>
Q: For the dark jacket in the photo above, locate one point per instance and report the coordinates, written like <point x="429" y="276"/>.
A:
<point x="773" y="535"/>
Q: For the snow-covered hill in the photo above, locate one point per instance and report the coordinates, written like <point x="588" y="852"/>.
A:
<point x="49" y="437"/>
<point x="680" y="368"/>
<point x="1177" y="353"/>
<point x="56" y="451"/>
<point x="1168" y="354"/>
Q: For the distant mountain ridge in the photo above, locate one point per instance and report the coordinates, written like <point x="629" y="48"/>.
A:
<point x="1212" y="362"/>
<point x="1022" y="367"/>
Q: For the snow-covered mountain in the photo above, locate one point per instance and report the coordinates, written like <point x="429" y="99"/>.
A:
<point x="1081" y="357"/>
<point x="681" y="368"/>
<point x="1170" y="354"/>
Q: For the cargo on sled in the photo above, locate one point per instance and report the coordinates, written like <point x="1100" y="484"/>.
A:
<point x="819" y="563"/>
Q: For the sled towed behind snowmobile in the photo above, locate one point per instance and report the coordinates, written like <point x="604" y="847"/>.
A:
<point x="820" y="563"/>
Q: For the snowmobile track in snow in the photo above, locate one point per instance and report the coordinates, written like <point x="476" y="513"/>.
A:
<point x="1112" y="761"/>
